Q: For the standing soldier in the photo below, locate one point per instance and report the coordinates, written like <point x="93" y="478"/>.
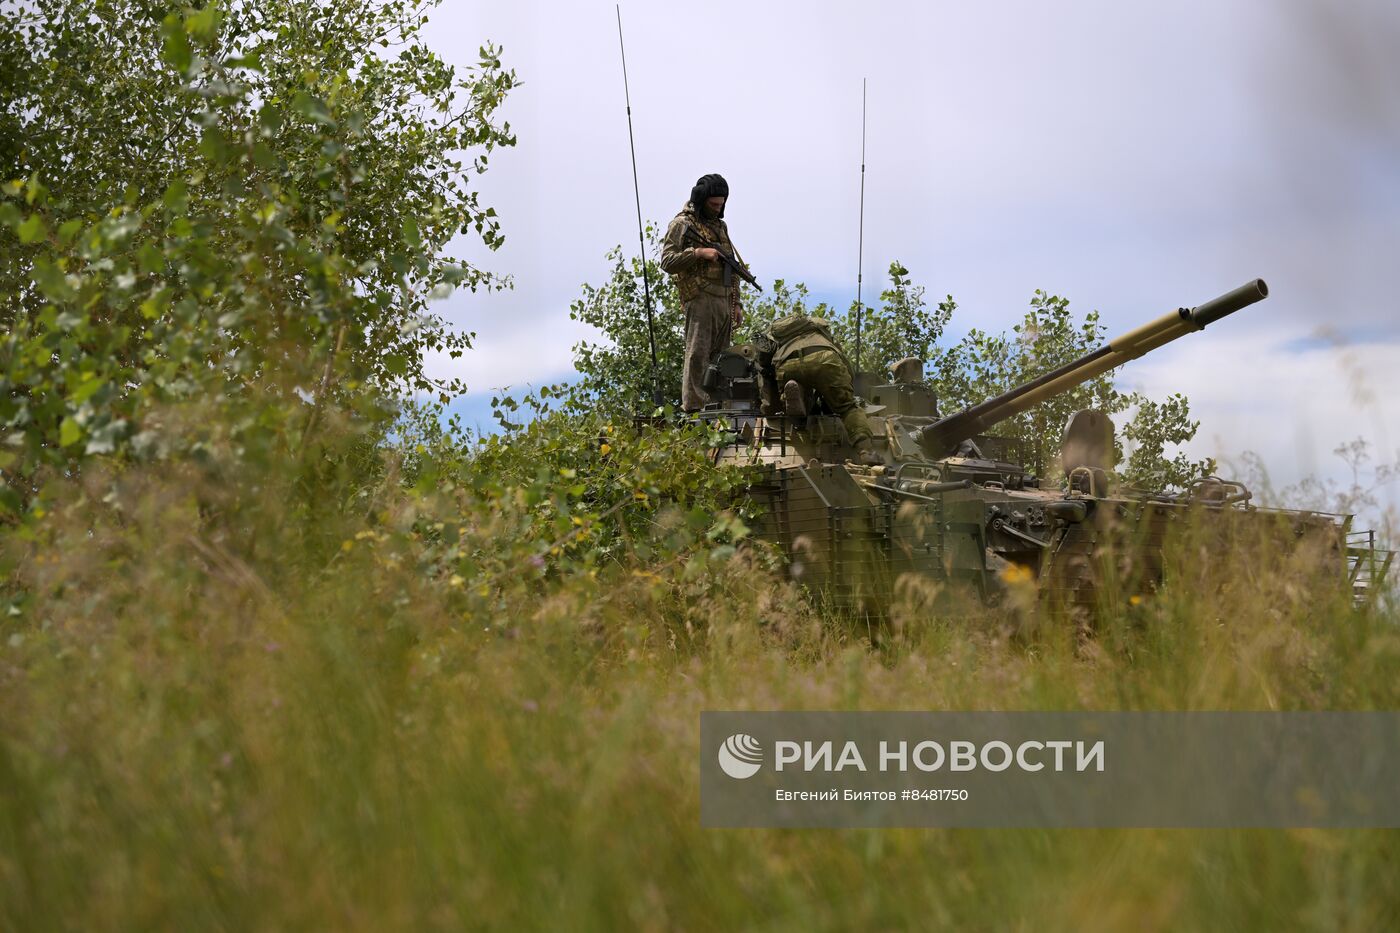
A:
<point x="708" y="288"/>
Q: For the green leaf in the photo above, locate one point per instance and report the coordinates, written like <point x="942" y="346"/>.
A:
<point x="176" y="197"/>
<point x="149" y="259"/>
<point x="395" y="363"/>
<point x="51" y="281"/>
<point x="176" y="51"/>
<point x="214" y="145"/>
<point x="313" y="108"/>
<point x="269" y="118"/>
<point x="10" y="502"/>
<point x="35" y="191"/>
<point x="263" y="156"/>
<point x="69" y="432"/>
<point x="203" y="24"/>
<point x="33" y="229"/>
<point x="87" y="388"/>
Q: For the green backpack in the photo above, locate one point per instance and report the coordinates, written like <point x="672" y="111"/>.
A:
<point x="796" y="326"/>
<point x="785" y="329"/>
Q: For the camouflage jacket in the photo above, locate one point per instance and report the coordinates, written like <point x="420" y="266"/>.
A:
<point x="695" y="276"/>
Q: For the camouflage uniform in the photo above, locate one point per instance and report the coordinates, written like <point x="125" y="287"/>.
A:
<point x="816" y="362"/>
<point x="708" y="292"/>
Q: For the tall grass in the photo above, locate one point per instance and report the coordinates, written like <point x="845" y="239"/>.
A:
<point x="217" y="714"/>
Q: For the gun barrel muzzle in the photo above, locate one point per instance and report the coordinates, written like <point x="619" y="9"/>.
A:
<point x="1228" y="303"/>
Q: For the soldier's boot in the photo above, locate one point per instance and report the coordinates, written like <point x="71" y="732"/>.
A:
<point x="793" y="402"/>
<point x="867" y="455"/>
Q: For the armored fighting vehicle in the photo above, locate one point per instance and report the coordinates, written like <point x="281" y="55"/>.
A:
<point x="952" y="505"/>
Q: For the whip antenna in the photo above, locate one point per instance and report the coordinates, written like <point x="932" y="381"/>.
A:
<point x="860" y="249"/>
<point x="641" y="236"/>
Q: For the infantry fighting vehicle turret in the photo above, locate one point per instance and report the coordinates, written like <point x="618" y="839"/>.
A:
<point x="952" y="505"/>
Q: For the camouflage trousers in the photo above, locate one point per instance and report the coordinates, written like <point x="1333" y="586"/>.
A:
<point x="707" y="330"/>
<point x="826" y="373"/>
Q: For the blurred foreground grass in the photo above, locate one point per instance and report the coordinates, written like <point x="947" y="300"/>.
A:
<point x="216" y="715"/>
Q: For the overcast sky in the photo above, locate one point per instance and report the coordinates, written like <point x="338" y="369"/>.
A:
<point x="1130" y="159"/>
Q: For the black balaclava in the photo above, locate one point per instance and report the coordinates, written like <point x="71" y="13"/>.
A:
<point x="709" y="186"/>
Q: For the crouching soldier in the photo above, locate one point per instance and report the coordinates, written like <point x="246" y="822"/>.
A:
<point x="805" y="354"/>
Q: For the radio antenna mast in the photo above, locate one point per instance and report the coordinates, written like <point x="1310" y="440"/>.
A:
<point x="860" y="249"/>
<point x="641" y="236"/>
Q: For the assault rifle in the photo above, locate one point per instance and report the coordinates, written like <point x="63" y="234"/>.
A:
<point x="734" y="265"/>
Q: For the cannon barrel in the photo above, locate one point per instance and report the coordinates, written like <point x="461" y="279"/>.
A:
<point x="942" y="437"/>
